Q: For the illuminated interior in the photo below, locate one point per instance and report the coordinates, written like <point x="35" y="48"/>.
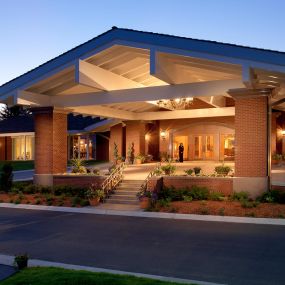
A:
<point x="23" y="148"/>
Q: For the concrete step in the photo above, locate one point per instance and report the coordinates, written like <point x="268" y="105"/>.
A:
<point x="122" y="201"/>
<point x="130" y="184"/>
<point x="126" y="192"/>
<point x="124" y="197"/>
<point x="128" y="188"/>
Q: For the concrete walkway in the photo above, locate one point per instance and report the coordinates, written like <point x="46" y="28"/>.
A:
<point x="6" y="270"/>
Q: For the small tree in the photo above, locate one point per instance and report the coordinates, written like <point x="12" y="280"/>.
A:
<point x="6" y="178"/>
<point x="116" y="152"/>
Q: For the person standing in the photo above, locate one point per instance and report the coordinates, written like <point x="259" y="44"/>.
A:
<point x="181" y="150"/>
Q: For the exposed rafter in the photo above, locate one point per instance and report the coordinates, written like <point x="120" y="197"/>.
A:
<point x="97" y="77"/>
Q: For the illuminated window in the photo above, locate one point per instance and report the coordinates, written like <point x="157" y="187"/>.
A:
<point x="23" y="148"/>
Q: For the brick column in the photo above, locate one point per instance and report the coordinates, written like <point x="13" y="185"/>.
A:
<point x="116" y="136"/>
<point x="135" y="133"/>
<point x="251" y="158"/>
<point x="50" y="144"/>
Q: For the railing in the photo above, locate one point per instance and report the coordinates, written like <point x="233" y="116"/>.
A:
<point x="113" y="179"/>
<point x="152" y="173"/>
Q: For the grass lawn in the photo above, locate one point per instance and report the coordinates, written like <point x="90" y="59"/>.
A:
<point x="19" y="165"/>
<point x="58" y="276"/>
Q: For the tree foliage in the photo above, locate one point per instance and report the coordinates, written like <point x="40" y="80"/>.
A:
<point x="14" y="111"/>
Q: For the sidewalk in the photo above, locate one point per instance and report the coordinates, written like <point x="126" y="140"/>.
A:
<point x="141" y="214"/>
<point x="6" y="271"/>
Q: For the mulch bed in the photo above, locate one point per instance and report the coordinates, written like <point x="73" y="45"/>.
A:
<point x="37" y="199"/>
<point x="226" y="208"/>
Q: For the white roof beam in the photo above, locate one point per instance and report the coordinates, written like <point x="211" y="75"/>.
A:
<point x="95" y="76"/>
<point x="197" y="89"/>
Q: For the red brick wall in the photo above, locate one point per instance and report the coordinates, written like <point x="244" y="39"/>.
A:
<point x="78" y="180"/>
<point x="251" y="137"/>
<point x="214" y="184"/>
<point x="102" y="147"/>
<point x="2" y="148"/>
<point x="135" y="133"/>
<point x="8" y="148"/>
<point x="116" y="136"/>
<point x="50" y="141"/>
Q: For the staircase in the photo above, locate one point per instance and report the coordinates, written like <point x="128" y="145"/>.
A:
<point x="126" y="193"/>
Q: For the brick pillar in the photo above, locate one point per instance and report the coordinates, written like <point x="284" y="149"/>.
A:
<point x="251" y="159"/>
<point x="50" y="144"/>
<point x="116" y="136"/>
<point x="135" y="133"/>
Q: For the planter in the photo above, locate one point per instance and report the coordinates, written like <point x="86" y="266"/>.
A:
<point x="94" y="201"/>
<point x="138" y="161"/>
<point x="21" y="261"/>
<point x="144" y="202"/>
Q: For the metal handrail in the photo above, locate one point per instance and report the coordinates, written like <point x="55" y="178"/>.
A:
<point x="144" y="184"/>
<point x="113" y="179"/>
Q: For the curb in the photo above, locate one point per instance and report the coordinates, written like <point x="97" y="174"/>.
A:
<point x="9" y="260"/>
<point x="141" y="214"/>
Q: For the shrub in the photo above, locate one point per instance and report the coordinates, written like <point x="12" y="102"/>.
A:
<point x="248" y="204"/>
<point x="168" y="169"/>
<point x="216" y="196"/>
<point x="199" y="193"/>
<point x="84" y="203"/>
<point x="239" y="196"/>
<point x="193" y="193"/>
<point x="222" y="211"/>
<point x="204" y="211"/>
<point x="6" y="178"/>
<point x="76" y="200"/>
<point x="18" y="201"/>
<point x="223" y="170"/>
<point x="273" y="196"/>
<point x="157" y="171"/>
<point x="189" y="171"/>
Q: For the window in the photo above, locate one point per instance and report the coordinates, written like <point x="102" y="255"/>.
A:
<point x="23" y="148"/>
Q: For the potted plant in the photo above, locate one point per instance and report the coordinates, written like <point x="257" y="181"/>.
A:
<point x="140" y="158"/>
<point x="197" y="170"/>
<point x="223" y="170"/>
<point x="95" y="196"/>
<point x="276" y="158"/>
<point x="157" y="172"/>
<point x="168" y="169"/>
<point x="77" y="165"/>
<point x="21" y="261"/>
<point x="189" y="171"/>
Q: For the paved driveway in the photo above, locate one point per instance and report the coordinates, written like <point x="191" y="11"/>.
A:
<point x="207" y="251"/>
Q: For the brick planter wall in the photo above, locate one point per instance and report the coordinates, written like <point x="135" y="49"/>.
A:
<point x="214" y="184"/>
<point x="78" y="180"/>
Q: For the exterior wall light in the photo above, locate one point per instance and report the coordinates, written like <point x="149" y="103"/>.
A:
<point x="283" y="132"/>
<point x="163" y="134"/>
<point x="147" y="137"/>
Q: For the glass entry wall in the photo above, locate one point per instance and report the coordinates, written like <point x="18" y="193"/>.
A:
<point x="204" y="147"/>
<point x="82" y="146"/>
<point x="23" y="147"/>
<point x="227" y="147"/>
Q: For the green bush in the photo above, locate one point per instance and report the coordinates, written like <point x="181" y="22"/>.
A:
<point x="168" y="169"/>
<point x="248" y="204"/>
<point x="84" y="203"/>
<point x="76" y="200"/>
<point x="239" y="196"/>
<point x="193" y="193"/>
<point x="223" y="170"/>
<point x="216" y="196"/>
<point x="189" y="171"/>
<point x="6" y="178"/>
<point x="273" y="196"/>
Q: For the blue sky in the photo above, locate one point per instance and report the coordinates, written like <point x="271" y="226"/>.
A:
<point x="34" y="31"/>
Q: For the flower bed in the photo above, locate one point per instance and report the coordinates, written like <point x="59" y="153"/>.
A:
<point x="225" y="208"/>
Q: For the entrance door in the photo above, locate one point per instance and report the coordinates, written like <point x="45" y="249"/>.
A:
<point x="204" y="147"/>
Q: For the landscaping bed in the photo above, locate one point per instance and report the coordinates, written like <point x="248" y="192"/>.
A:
<point x="225" y="208"/>
<point x="58" y="195"/>
<point x="200" y="200"/>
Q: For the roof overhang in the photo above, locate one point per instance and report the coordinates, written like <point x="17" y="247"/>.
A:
<point x="122" y="73"/>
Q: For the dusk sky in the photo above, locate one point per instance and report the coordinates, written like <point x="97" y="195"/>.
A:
<point x="34" y="31"/>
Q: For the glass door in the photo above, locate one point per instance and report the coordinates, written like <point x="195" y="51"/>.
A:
<point x="204" y="147"/>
